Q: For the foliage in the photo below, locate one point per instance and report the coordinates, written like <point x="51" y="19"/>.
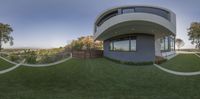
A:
<point x="5" y="31"/>
<point x="130" y="62"/>
<point x="179" y="43"/>
<point x="194" y="34"/>
<point x="30" y="56"/>
<point x="37" y="56"/>
<point x="85" y="43"/>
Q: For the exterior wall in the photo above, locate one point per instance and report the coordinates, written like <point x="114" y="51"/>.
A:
<point x="145" y="50"/>
<point x="157" y="47"/>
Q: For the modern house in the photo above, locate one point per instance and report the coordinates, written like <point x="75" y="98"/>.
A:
<point x="136" y="33"/>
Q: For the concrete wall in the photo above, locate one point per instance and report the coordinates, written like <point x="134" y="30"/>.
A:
<point x="131" y="17"/>
<point x="145" y="50"/>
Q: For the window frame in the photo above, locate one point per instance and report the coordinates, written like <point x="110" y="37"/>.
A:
<point x="168" y="47"/>
<point x="129" y="38"/>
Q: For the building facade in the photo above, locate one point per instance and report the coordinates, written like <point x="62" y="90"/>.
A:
<point x="136" y="33"/>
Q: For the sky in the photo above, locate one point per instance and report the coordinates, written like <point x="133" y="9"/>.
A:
<point x="55" y="23"/>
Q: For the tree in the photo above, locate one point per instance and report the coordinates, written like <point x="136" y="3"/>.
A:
<point x="5" y="31"/>
<point x="85" y="43"/>
<point x="179" y="43"/>
<point x="194" y="34"/>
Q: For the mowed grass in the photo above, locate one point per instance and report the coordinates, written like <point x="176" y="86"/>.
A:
<point x="96" y="79"/>
<point x="4" y="65"/>
<point x="183" y="62"/>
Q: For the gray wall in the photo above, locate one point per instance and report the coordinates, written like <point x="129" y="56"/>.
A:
<point x="145" y="50"/>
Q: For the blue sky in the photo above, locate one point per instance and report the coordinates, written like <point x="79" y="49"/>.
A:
<point x="54" y="23"/>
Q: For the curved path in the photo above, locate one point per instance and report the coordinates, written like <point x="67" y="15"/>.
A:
<point x="179" y="73"/>
<point x="50" y="64"/>
<point x="176" y="72"/>
<point x="12" y="68"/>
<point x="37" y="65"/>
<point x="29" y="65"/>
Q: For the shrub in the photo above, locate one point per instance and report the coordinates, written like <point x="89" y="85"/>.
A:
<point x="130" y="62"/>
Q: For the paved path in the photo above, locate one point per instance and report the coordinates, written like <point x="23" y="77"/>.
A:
<point x="12" y="68"/>
<point x="177" y="72"/>
<point x="38" y="65"/>
<point x="29" y="65"/>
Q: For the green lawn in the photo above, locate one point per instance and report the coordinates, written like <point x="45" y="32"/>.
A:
<point x="183" y="62"/>
<point x="4" y="65"/>
<point x="96" y="79"/>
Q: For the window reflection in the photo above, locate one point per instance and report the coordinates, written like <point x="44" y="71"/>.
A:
<point x="133" y="45"/>
<point x="167" y="43"/>
<point x="123" y="44"/>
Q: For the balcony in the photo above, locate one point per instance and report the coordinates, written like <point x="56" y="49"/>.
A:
<point x="135" y="20"/>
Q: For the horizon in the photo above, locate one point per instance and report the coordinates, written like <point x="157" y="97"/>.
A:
<point x="55" y="23"/>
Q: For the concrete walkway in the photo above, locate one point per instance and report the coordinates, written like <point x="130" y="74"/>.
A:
<point x="38" y="65"/>
<point x="177" y="72"/>
<point x="12" y="68"/>
<point x="29" y="65"/>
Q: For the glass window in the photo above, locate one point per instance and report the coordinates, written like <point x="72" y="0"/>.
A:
<point x="128" y="10"/>
<point x="106" y="17"/>
<point x="156" y="11"/>
<point x="162" y="44"/>
<point x="172" y="44"/>
<point x="111" y="46"/>
<point x="166" y="43"/>
<point x="123" y="44"/>
<point x="133" y="45"/>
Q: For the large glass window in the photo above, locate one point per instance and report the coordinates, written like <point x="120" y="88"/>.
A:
<point x="156" y="11"/>
<point x="162" y="43"/>
<point x="133" y="45"/>
<point x="167" y="43"/>
<point x="106" y="17"/>
<point x="121" y="45"/>
<point x="125" y="44"/>
<point x="163" y="13"/>
<point x="128" y="10"/>
<point x="172" y="44"/>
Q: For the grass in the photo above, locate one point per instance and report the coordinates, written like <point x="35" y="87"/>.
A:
<point x="183" y="62"/>
<point x="4" y="65"/>
<point x="96" y="79"/>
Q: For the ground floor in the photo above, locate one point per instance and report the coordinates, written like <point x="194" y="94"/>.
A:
<point x="139" y="47"/>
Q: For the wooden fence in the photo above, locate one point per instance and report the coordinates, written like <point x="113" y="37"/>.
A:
<point x="87" y="53"/>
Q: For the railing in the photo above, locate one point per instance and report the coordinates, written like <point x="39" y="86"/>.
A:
<point x="156" y="11"/>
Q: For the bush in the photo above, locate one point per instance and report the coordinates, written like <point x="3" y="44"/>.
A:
<point x="130" y="62"/>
